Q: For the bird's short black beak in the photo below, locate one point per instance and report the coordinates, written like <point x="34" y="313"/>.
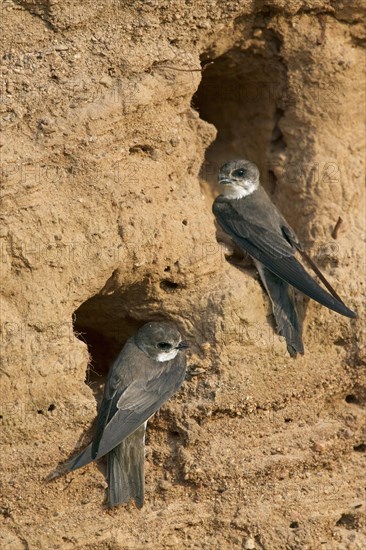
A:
<point x="224" y="181"/>
<point x="182" y="345"/>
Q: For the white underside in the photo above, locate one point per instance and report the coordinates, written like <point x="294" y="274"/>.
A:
<point x="167" y="356"/>
<point x="238" y="192"/>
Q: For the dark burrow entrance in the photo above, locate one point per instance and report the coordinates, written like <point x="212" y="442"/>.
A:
<point x="243" y="94"/>
<point x="106" y="321"/>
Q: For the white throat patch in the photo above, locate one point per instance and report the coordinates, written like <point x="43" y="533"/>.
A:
<point x="163" y="356"/>
<point x="232" y="191"/>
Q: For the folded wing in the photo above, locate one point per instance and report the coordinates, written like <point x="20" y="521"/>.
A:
<point x="276" y="253"/>
<point x="134" y="406"/>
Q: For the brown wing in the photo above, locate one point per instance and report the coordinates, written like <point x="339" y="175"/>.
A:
<point x="275" y="251"/>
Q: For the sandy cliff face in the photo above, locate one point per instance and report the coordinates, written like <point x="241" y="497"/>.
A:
<point x="111" y="143"/>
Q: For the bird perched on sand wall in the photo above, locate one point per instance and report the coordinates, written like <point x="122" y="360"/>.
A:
<point x="246" y="213"/>
<point x="146" y="373"/>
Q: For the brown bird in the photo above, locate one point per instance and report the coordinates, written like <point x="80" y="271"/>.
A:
<point x="246" y="213"/>
<point x="147" y="372"/>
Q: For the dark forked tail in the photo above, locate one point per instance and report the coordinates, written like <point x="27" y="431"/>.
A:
<point x="284" y="309"/>
<point x="125" y="470"/>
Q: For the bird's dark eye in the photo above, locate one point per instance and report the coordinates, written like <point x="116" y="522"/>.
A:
<point x="164" y="345"/>
<point x="239" y="173"/>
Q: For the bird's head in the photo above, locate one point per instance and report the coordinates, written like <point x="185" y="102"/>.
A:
<point x="161" y="341"/>
<point x="240" y="178"/>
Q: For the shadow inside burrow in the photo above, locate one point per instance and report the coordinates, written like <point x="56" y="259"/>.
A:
<point x="107" y="320"/>
<point x="242" y="93"/>
<point x="104" y="323"/>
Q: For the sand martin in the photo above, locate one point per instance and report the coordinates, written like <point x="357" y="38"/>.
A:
<point x="146" y="373"/>
<point x="248" y="216"/>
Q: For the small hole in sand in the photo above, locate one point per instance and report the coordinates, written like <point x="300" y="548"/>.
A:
<point x="351" y="399"/>
<point x="168" y="286"/>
